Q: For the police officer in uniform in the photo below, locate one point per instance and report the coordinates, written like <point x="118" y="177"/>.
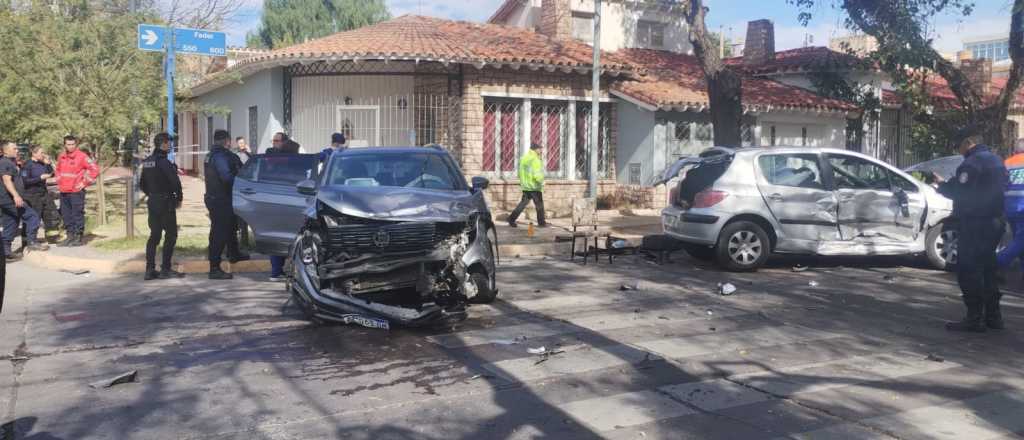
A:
<point x="34" y="174"/>
<point x="162" y="186"/>
<point x="977" y="194"/>
<point x="220" y="169"/>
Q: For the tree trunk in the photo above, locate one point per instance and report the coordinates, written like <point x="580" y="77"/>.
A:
<point x="726" y="108"/>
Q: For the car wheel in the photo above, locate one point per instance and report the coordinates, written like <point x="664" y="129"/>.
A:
<point x="742" y="246"/>
<point x="941" y="246"/>
<point x="484" y="295"/>
<point x="700" y="252"/>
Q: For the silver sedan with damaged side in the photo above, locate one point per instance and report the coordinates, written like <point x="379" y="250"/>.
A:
<point x="386" y="236"/>
<point x="738" y="206"/>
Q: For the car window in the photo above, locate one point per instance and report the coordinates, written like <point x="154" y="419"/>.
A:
<point x="899" y="181"/>
<point x="426" y="170"/>
<point x="796" y="170"/>
<point x="248" y="171"/>
<point x="855" y="173"/>
<point x="279" y="169"/>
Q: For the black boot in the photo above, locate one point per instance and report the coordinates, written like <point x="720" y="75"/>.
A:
<point x="77" y="240"/>
<point x="239" y="257"/>
<point x="217" y="274"/>
<point x="68" y="238"/>
<point x="151" y="274"/>
<point x="972" y="323"/>
<point x="994" y="316"/>
<point x="167" y="274"/>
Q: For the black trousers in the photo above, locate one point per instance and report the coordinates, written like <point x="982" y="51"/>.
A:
<point x="538" y="202"/>
<point x="976" y="266"/>
<point x="41" y="202"/>
<point x="163" y="223"/>
<point x="223" y="230"/>
<point x="72" y="209"/>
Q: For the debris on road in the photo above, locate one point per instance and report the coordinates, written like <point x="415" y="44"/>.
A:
<point x="663" y="317"/>
<point x="889" y="279"/>
<point x="517" y="340"/>
<point x="813" y="283"/>
<point x="934" y="358"/>
<point x="726" y="289"/>
<point x="75" y="271"/>
<point x="800" y="268"/>
<point x="626" y="288"/>
<point x="545" y="355"/>
<point x="538" y="350"/>
<point x="710" y="312"/>
<point x="116" y="380"/>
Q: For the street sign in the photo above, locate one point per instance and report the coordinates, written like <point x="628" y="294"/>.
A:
<point x="186" y="41"/>
<point x="151" y="37"/>
<point x="200" y="42"/>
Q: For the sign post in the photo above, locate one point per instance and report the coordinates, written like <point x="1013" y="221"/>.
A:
<point x="172" y="41"/>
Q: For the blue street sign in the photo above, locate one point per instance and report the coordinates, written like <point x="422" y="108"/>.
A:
<point x="151" y="37"/>
<point x="187" y="41"/>
<point x="200" y="42"/>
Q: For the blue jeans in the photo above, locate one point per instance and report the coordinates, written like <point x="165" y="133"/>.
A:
<point x="277" y="265"/>
<point x="12" y="217"/>
<point x="1016" y="248"/>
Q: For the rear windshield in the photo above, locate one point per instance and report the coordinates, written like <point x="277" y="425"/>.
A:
<point x="429" y="171"/>
<point x="703" y="175"/>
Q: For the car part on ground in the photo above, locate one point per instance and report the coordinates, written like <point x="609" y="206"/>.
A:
<point x="811" y="201"/>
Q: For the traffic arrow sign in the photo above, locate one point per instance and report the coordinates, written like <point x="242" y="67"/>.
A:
<point x="151" y="37"/>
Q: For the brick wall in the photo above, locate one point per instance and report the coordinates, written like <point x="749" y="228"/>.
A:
<point x="504" y="194"/>
<point x="556" y="19"/>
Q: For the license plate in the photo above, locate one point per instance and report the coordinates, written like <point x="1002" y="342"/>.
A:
<point x="366" y="322"/>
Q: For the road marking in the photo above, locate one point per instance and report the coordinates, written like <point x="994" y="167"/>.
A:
<point x="576" y="359"/>
<point x="623" y="410"/>
<point x="727" y="341"/>
<point x="989" y="416"/>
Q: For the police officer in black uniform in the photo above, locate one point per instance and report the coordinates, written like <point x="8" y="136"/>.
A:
<point x="977" y="194"/>
<point x="220" y="169"/>
<point x="162" y="186"/>
<point x="34" y="174"/>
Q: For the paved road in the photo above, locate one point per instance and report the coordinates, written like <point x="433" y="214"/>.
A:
<point x="848" y="358"/>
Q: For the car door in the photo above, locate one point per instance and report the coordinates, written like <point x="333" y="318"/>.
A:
<point x="799" y="197"/>
<point x="266" y="198"/>
<point x="875" y="202"/>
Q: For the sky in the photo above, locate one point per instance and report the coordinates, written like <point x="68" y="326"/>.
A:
<point x="989" y="17"/>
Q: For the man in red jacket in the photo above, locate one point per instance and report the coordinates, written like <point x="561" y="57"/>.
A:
<point x="75" y="172"/>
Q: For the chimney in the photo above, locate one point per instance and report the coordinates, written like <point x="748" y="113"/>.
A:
<point x="760" y="45"/>
<point x="978" y="73"/>
<point x="556" y="18"/>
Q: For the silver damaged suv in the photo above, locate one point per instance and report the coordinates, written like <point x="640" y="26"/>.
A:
<point x="738" y="206"/>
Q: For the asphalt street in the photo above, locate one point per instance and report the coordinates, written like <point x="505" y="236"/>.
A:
<point x="848" y="349"/>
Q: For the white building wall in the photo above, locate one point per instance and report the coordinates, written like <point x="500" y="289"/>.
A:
<point x="636" y="144"/>
<point x="618" y="24"/>
<point x="372" y="100"/>
<point x="825" y="130"/>
<point x="264" y="90"/>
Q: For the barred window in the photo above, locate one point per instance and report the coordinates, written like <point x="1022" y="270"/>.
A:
<point x="502" y="128"/>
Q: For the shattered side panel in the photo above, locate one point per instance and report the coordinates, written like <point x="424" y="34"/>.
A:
<point x="878" y="216"/>
<point x="803" y="214"/>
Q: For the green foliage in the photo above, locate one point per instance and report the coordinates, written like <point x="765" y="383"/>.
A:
<point x="287" y="22"/>
<point x="716" y="42"/>
<point x="74" y="69"/>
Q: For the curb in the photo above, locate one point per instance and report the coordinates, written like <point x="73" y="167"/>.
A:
<point x="50" y="261"/>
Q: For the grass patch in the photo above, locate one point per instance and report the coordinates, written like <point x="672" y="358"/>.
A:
<point x="187" y="245"/>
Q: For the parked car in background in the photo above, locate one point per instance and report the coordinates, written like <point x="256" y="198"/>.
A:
<point x="739" y="206"/>
<point x="378" y="236"/>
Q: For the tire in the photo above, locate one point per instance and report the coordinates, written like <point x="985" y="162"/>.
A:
<point x="742" y="246"/>
<point x="700" y="252"/>
<point x="484" y="293"/>
<point x="939" y="244"/>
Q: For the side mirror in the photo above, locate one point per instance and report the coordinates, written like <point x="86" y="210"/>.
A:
<point x="480" y="183"/>
<point x="306" y="187"/>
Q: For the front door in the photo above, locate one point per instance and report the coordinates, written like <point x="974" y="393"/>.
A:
<point x="266" y="198"/>
<point x="795" y="190"/>
<point x="875" y="203"/>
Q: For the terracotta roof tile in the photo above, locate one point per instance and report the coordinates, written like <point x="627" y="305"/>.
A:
<point x="676" y="80"/>
<point x="815" y="58"/>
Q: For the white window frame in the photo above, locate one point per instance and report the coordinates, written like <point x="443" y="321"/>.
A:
<point x="645" y="31"/>
<point x="376" y="117"/>
<point x="581" y="21"/>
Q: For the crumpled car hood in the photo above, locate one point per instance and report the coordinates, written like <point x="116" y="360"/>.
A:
<point x="400" y="204"/>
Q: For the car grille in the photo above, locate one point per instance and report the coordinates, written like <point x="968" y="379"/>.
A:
<point x="390" y="237"/>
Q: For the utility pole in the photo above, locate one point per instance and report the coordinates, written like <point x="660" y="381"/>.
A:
<point x="595" y="108"/>
<point x="721" y="42"/>
<point x="133" y="145"/>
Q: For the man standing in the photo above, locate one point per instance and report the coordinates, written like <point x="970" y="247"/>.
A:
<point x="277" y="142"/>
<point x="75" y="172"/>
<point x="531" y="180"/>
<point x="13" y="208"/>
<point x="337" y="144"/>
<point x="34" y="175"/>
<point x="162" y="186"/>
<point x="1014" y="206"/>
<point x="244" y="155"/>
<point x="242" y="149"/>
<point x="977" y="194"/>
<point x="220" y="168"/>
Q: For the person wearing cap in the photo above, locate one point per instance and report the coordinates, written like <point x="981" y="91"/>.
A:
<point x="162" y="186"/>
<point x="977" y="190"/>
<point x="337" y="144"/>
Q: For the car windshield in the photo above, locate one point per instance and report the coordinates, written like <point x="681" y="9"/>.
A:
<point x="430" y="171"/>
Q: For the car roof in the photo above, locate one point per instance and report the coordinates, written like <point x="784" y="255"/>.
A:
<point x="392" y="150"/>
<point x="793" y="149"/>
